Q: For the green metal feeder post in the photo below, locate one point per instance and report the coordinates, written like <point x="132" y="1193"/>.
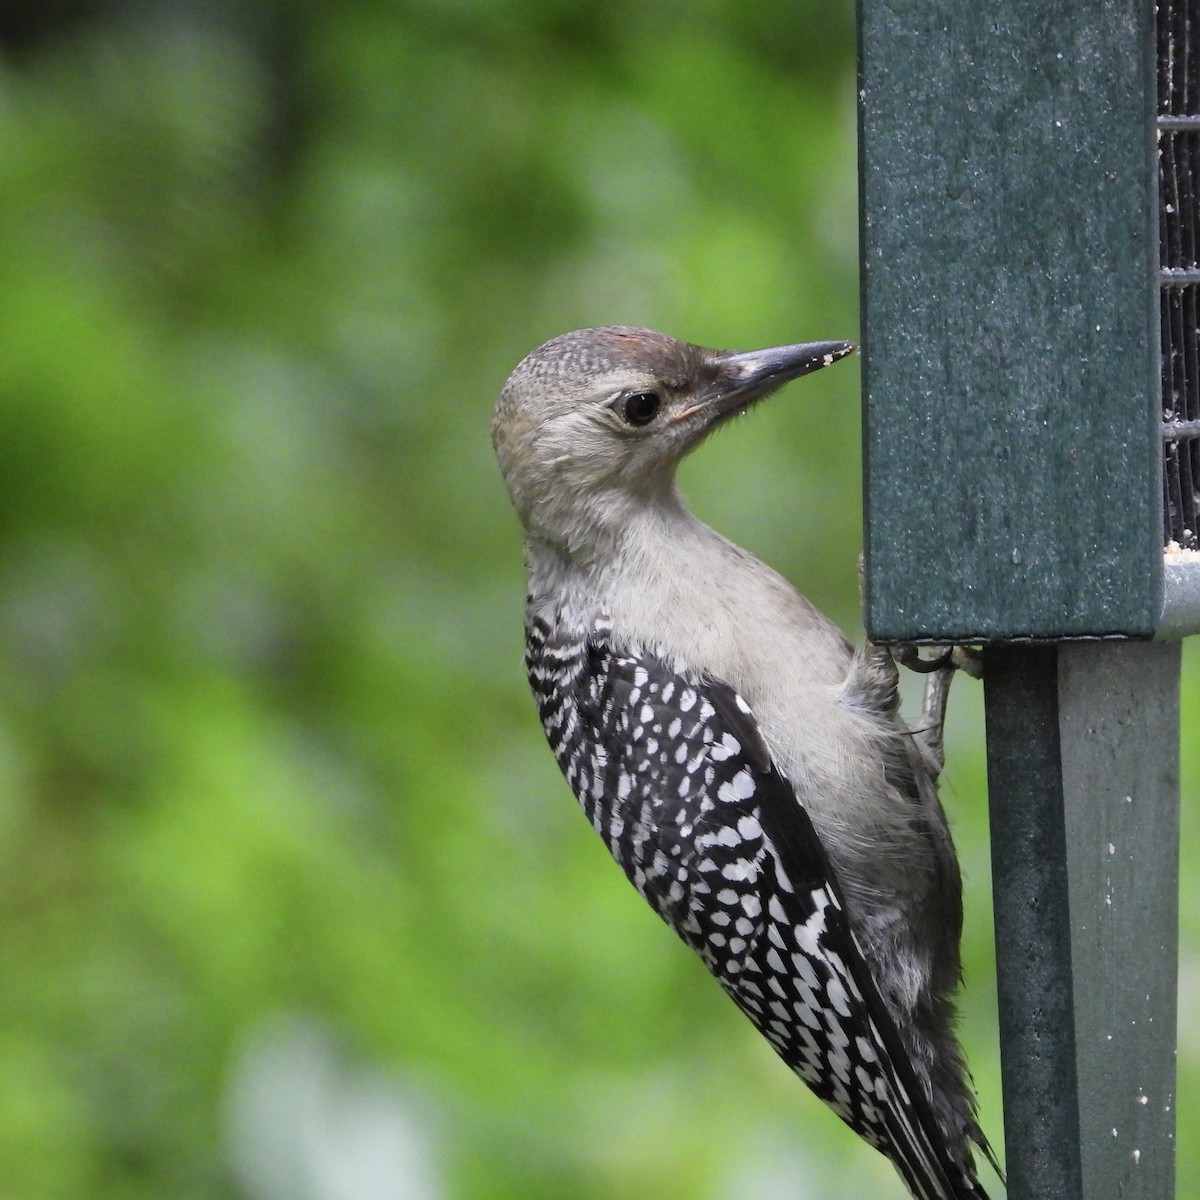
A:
<point x="1032" y="473"/>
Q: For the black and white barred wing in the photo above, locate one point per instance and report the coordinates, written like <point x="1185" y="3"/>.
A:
<point x="675" y="777"/>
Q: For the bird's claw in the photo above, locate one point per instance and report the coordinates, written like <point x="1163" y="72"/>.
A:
<point x="959" y="658"/>
<point x="940" y="671"/>
<point x="908" y="655"/>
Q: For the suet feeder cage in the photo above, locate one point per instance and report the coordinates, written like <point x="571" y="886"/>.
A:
<point x="1030" y="177"/>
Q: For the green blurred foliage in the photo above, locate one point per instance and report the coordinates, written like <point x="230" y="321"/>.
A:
<point x="293" y="901"/>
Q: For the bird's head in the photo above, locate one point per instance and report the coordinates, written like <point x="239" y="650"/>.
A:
<point x="593" y="423"/>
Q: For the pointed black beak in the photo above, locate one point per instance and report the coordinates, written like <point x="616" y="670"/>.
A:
<point x="743" y="377"/>
<point x="754" y="372"/>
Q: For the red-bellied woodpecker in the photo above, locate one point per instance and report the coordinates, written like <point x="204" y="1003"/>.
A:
<point x="746" y="767"/>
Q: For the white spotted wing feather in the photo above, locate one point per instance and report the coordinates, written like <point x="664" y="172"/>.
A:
<point x="675" y="777"/>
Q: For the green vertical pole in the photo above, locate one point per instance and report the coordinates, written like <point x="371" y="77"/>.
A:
<point x="1013" y="497"/>
<point x="1034" y="982"/>
<point x="1083" y="782"/>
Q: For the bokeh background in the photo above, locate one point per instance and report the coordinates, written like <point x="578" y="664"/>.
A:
<point x="293" y="902"/>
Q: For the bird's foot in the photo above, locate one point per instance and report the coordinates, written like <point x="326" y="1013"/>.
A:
<point x="957" y="658"/>
<point x="930" y="730"/>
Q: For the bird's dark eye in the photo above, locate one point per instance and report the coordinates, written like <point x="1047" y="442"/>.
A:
<point x="639" y="408"/>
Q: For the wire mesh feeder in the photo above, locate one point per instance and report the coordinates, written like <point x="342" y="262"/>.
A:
<point x="1179" y="241"/>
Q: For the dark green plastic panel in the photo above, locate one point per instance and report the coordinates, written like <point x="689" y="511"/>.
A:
<point x="1010" y="309"/>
